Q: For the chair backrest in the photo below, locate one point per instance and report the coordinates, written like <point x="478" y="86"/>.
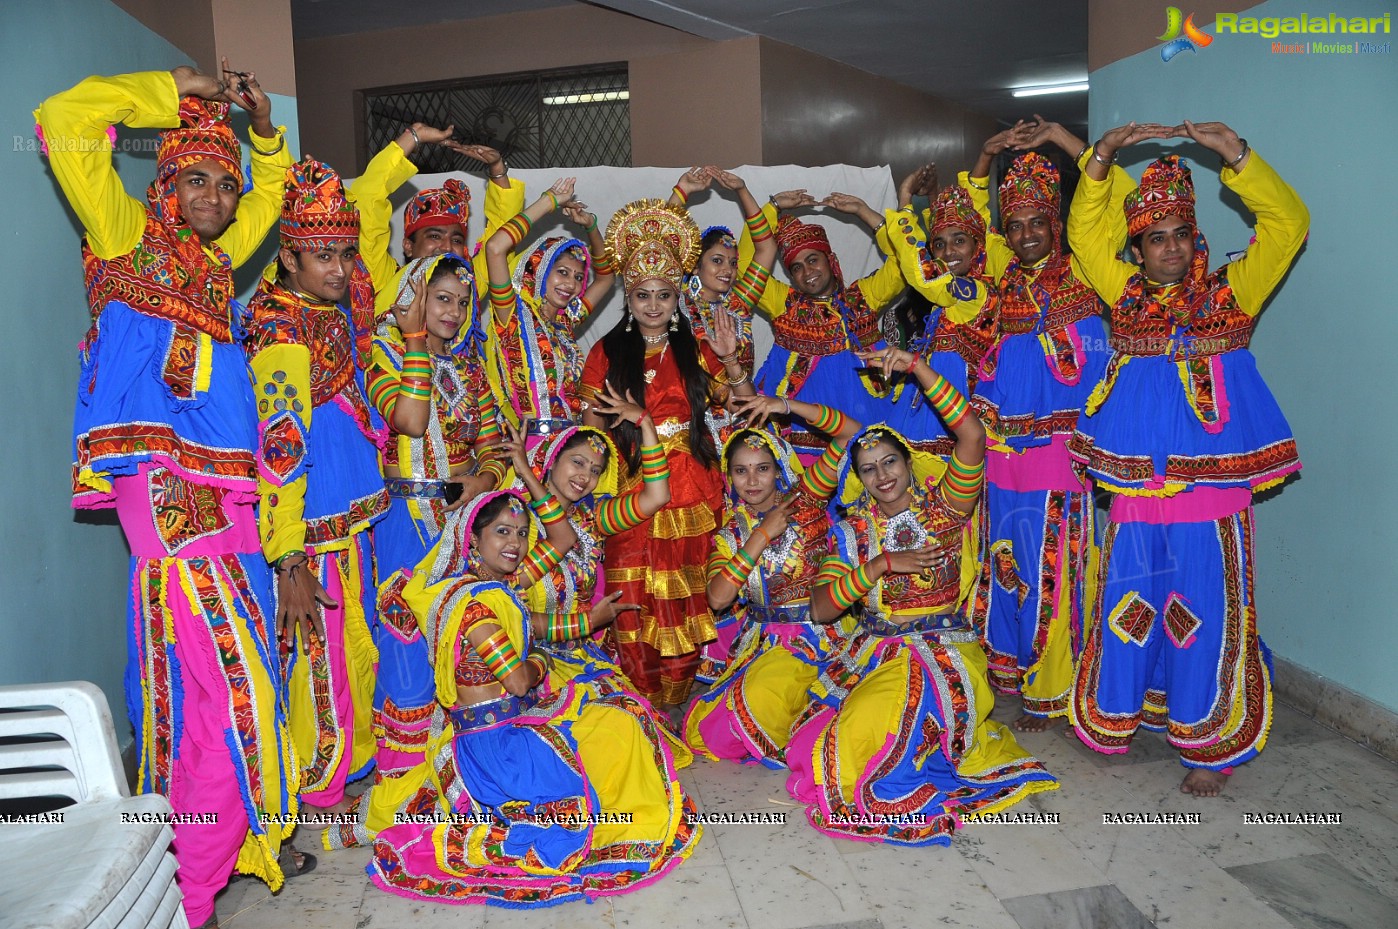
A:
<point x="64" y="744"/>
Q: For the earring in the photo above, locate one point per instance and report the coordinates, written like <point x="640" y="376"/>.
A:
<point x="675" y="322"/>
<point x="628" y="320"/>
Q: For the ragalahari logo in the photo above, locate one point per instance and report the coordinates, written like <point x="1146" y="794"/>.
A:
<point x="1192" y="39"/>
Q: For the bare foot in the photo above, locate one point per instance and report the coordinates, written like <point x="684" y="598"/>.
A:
<point x="323" y="817"/>
<point x="1203" y="783"/>
<point x="1031" y="723"/>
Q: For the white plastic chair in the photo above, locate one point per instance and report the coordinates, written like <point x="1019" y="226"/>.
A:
<point x="93" y="869"/>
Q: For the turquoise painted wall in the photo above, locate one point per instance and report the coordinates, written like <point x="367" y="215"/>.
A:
<point x="1327" y="583"/>
<point x="62" y="575"/>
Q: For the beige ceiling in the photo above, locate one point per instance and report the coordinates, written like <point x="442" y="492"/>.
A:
<point x="970" y="52"/>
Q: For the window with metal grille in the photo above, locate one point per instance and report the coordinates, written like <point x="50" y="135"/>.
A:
<point x="540" y="119"/>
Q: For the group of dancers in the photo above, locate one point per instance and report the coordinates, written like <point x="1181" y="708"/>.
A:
<point x="388" y="521"/>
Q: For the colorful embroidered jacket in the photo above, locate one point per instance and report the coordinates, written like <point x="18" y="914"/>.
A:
<point x="997" y="251"/>
<point x="966" y="319"/>
<point x="1049" y="316"/>
<point x="317" y="453"/>
<point x="1191" y="337"/>
<point x="370" y="192"/>
<point x="787" y="568"/>
<point x="865" y="533"/>
<point x="461" y="415"/>
<point x="817" y="327"/>
<point x="163" y="378"/>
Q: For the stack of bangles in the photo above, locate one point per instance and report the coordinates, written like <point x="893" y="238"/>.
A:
<point x="539" y="660"/>
<point x="852" y="587"/>
<point x="684" y="197"/>
<point x="758" y="227"/>
<point x="499" y="654"/>
<point x="733" y="359"/>
<point x="564" y="627"/>
<point x="603" y="265"/>
<point x="549" y="510"/>
<point x="949" y="402"/>
<point x="654" y="465"/>
<point x="829" y="422"/>
<point x="517" y="227"/>
<point x="962" y="483"/>
<point x="736" y="569"/>
<point x="415" y="382"/>
<point x="502" y="296"/>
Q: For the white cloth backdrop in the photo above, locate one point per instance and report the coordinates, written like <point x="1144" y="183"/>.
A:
<point x="607" y="189"/>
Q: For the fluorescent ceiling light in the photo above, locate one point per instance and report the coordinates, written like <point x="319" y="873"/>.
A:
<point x="601" y="96"/>
<point x="1038" y="91"/>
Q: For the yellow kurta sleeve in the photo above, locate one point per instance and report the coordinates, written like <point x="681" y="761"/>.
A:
<point x="1111" y="225"/>
<point x="997" y="251"/>
<point x="282" y="371"/>
<point x="1091" y="233"/>
<point x="883" y="285"/>
<point x="370" y="192"/>
<point x="259" y="208"/>
<point x="962" y="298"/>
<point x="75" y="124"/>
<point x="772" y="303"/>
<point x="501" y="205"/>
<point x="1282" y="224"/>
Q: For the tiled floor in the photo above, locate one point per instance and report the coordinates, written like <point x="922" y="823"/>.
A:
<point x="1080" y="873"/>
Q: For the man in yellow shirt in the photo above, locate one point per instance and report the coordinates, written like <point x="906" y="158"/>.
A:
<point x="164" y="432"/>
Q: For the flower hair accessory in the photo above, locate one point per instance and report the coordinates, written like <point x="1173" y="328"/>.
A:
<point x="650" y="239"/>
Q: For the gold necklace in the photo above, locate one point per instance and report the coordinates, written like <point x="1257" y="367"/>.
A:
<point x="650" y="374"/>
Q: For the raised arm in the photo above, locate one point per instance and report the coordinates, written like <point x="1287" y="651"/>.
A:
<point x="772" y="302"/>
<point x="261" y="207"/>
<point x="1282" y="218"/>
<point x="966" y="470"/>
<point x="603" y="268"/>
<point x="370" y="192"/>
<point x="757" y="247"/>
<point x="512" y="232"/>
<point x="689" y="184"/>
<point x="628" y="510"/>
<point x="1096" y="222"/>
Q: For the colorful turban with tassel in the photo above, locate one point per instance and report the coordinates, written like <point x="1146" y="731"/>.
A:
<point x="204" y="133"/>
<point x="315" y="213"/>
<point x="953" y="210"/>
<point x="1166" y="189"/>
<point x="1032" y="182"/>
<point x="448" y="205"/>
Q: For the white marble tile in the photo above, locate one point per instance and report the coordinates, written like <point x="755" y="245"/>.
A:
<point x="911" y="888"/>
<point x="725" y="787"/>
<point x="1088" y="908"/>
<point x="328" y="898"/>
<point x="687" y="898"/>
<point x="577" y="915"/>
<point x="1021" y="860"/>
<point x="1170" y="882"/>
<point x="1315" y="892"/>
<point x="382" y="910"/>
<point x="790" y="876"/>
<point x="707" y="854"/>
<point x="1291" y="727"/>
